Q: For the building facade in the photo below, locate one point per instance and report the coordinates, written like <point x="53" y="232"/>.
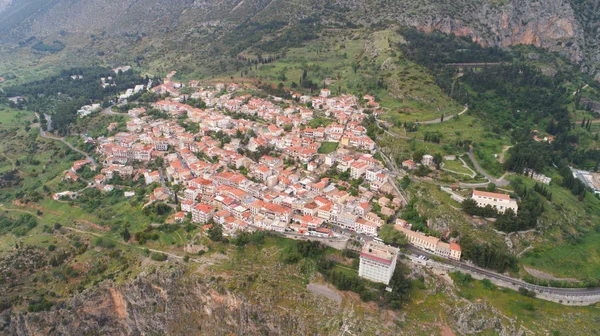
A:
<point x="377" y="262"/>
<point x="500" y="202"/>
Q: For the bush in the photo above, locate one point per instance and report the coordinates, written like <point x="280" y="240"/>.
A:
<point x="525" y="292"/>
<point x="215" y="233"/>
<point x="102" y="242"/>
<point x="487" y="284"/>
<point x="39" y="305"/>
<point x="156" y="256"/>
<point x="291" y="258"/>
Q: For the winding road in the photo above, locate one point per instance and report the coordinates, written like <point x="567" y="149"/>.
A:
<point x="45" y="135"/>
<point x="501" y="182"/>
<point x="109" y="111"/>
<point x="575" y="292"/>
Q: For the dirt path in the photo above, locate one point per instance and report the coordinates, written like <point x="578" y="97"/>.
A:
<point x="21" y="211"/>
<point x="546" y="276"/>
<point x="465" y="165"/>
<point x="504" y="150"/>
<point x="319" y="289"/>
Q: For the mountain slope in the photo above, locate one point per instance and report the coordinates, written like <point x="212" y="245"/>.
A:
<point x="554" y="24"/>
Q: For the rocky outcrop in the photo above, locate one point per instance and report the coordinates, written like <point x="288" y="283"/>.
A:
<point x="159" y="303"/>
<point x="549" y="24"/>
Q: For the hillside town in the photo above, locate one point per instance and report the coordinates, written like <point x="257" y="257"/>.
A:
<point x="304" y="165"/>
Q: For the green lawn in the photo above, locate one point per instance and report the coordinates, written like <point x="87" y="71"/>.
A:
<point x="328" y="147"/>
<point x="320" y="122"/>
<point x="457" y="166"/>
<point x="570" y="244"/>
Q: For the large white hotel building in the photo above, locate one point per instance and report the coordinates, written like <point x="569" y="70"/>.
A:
<point x="378" y="262"/>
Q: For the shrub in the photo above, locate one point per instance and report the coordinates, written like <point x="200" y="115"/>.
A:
<point x="105" y="243"/>
<point x="156" y="256"/>
<point x="487" y="284"/>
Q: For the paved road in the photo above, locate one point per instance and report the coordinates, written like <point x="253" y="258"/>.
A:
<point x="43" y="134"/>
<point x="439" y="120"/>
<point x="501" y="182"/>
<point x="516" y="282"/>
<point x="472" y="175"/>
<point x="109" y="111"/>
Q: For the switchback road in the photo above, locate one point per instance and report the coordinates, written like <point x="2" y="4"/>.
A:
<point x="501" y="182"/>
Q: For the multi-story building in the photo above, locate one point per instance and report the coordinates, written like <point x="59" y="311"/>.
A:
<point x="202" y="213"/>
<point x="346" y="219"/>
<point x="358" y="169"/>
<point x="377" y="262"/>
<point x="429" y="243"/>
<point x="500" y="202"/>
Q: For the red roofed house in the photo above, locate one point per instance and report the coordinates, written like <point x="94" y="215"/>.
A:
<point x="202" y="213"/>
<point x="408" y="164"/>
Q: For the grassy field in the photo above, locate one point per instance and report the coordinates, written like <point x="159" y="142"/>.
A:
<point x="328" y="147"/>
<point x="457" y="166"/>
<point x="570" y="236"/>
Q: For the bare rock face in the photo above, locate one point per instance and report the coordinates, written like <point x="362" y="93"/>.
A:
<point x="473" y="318"/>
<point x="159" y="303"/>
<point x="549" y="24"/>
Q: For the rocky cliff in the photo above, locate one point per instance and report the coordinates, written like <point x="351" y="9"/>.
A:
<point x="550" y="24"/>
<point x="158" y="304"/>
<point x="175" y="303"/>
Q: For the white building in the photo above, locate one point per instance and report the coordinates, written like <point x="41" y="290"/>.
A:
<point x="429" y="243"/>
<point x="500" y="202"/>
<point x="427" y="160"/>
<point x="377" y="262"/>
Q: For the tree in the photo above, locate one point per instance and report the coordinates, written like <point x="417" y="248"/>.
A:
<point x="422" y="171"/>
<point x="437" y="159"/>
<point x="391" y="236"/>
<point x="418" y="156"/>
<point x="470" y="207"/>
<point x="491" y="187"/>
<point x="405" y="182"/>
<point x="126" y="235"/>
<point x="216" y="232"/>
<point x="400" y="289"/>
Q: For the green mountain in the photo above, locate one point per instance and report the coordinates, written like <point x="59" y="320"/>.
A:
<point x="182" y="30"/>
